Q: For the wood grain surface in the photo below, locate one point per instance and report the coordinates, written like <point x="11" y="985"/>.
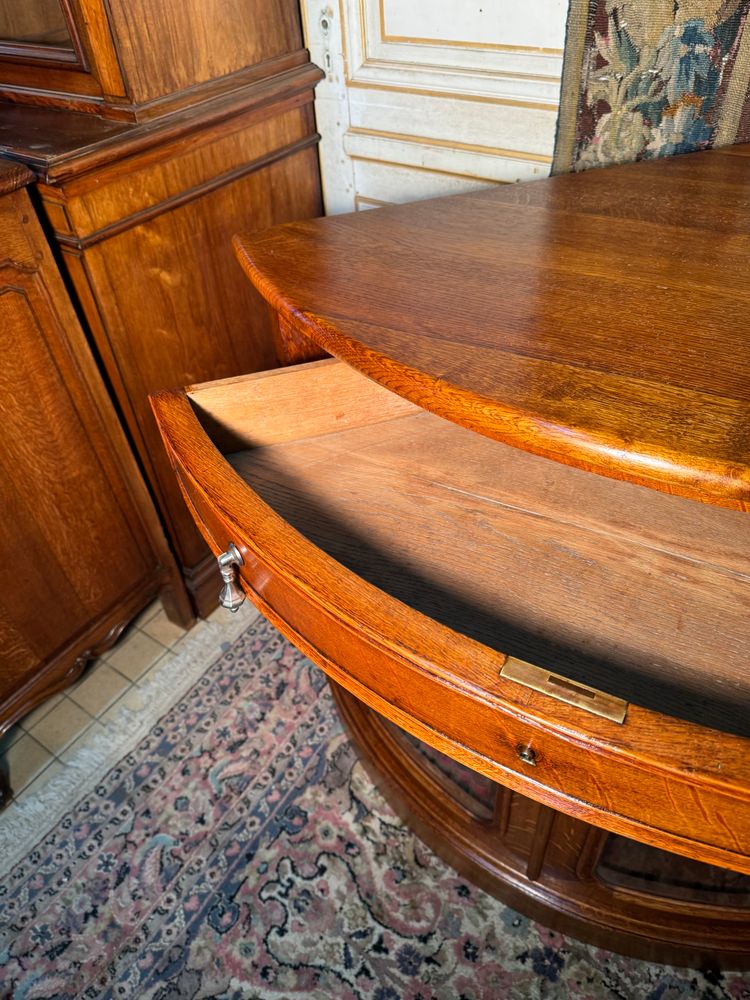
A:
<point x="13" y="176"/>
<point x="81" y="550"/>
<point x="601" y="319"/>
<point x="60" y="145"/>
<point x="153" y="207"/>
<point x="442" y="683"/>
<point x="38" y="21"/>
<point x="179" y="329"/>
<point x="502" y="546"/>
<point x="166" y="47"/>
<point x="134" y="60"/>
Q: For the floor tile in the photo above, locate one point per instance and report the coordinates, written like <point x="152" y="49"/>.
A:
<point x="62" y="726"/>
<point x="134" y="655"/>
<point x="132" y="699"/>
<point x="54" y="768"/>
<point x="199" y="628"/>
<point x="163" y="630"/>
<point x="29" y="721"/>
<point x="221" y="616"/>
<point x="157" y="668"/>
<point x="25" y="760"/>
<point x="83" y="742"/>
<point x="99" y="689"/>
<point x="147" y="614"/>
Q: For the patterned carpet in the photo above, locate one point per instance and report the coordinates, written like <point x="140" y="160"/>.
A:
<point x="239" y="851"/>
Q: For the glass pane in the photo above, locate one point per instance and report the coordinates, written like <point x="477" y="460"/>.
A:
<point x="34" y="22"/>
<point x="630" y="865"/>
<point x="469" y="788"/>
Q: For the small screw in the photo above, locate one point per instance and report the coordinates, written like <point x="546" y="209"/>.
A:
<point x="527" y="755"/>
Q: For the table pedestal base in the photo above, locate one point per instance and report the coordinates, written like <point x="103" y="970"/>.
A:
<point x="575" y="878"/>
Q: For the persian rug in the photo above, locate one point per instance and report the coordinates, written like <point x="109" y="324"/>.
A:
<point x="238" y="850"/>
<point x="650" y="78"/>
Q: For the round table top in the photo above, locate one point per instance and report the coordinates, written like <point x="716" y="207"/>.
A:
<point x="599" y="319"/>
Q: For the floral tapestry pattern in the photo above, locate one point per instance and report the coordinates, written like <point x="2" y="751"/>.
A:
<point x="649" y="78"/>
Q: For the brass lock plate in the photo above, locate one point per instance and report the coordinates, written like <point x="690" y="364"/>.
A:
<point x="563" y="689"/>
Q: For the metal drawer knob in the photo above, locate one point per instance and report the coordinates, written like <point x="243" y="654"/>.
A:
<point x="527" y="755"/>
<point x="232" y="596"/>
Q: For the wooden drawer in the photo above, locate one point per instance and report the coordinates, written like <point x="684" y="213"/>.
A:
<point x="418" y="563"/>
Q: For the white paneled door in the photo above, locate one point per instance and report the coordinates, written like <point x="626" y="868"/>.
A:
<point x="429" y="97"/>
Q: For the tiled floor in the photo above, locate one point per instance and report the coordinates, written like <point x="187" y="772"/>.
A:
<point x="38" y="747"/>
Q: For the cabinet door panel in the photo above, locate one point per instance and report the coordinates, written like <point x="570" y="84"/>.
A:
<point x="196" y="316"/>
<point x="164" y="47"/>
<point x="76" y="557"/>
<point x="48" y="460"/>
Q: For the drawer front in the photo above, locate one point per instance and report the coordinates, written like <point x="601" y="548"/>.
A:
<point x="616" y="776"/>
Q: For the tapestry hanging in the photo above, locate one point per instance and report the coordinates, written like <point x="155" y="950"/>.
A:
<point x="650" y="78"/>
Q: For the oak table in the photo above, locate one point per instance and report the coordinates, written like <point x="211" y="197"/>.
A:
<point x="509" y="520"/>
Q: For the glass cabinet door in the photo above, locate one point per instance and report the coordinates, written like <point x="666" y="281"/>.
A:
<point x="35" y="23"/>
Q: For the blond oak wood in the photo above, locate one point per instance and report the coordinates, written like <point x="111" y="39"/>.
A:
<point x="444" y="685"/>
<point x="598" y="319"/>
<point x="419" y="508"/>
<point x="590" y="321"/>
<point x="191" y="330"/>
<point x="335" y="397"/>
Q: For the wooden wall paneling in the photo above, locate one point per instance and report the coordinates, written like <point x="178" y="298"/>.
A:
<point x="80" y="547"/>
<point x="196" y="317"/>
<point x="406" y="112"/>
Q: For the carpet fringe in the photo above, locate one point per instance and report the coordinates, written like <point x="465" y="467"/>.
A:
<point x="29" y="821"/>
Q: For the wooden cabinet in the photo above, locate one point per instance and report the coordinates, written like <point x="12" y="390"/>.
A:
<point x="133" y="60"/>
<point x="209" y="131"/>
<point x="81" y="549"/>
